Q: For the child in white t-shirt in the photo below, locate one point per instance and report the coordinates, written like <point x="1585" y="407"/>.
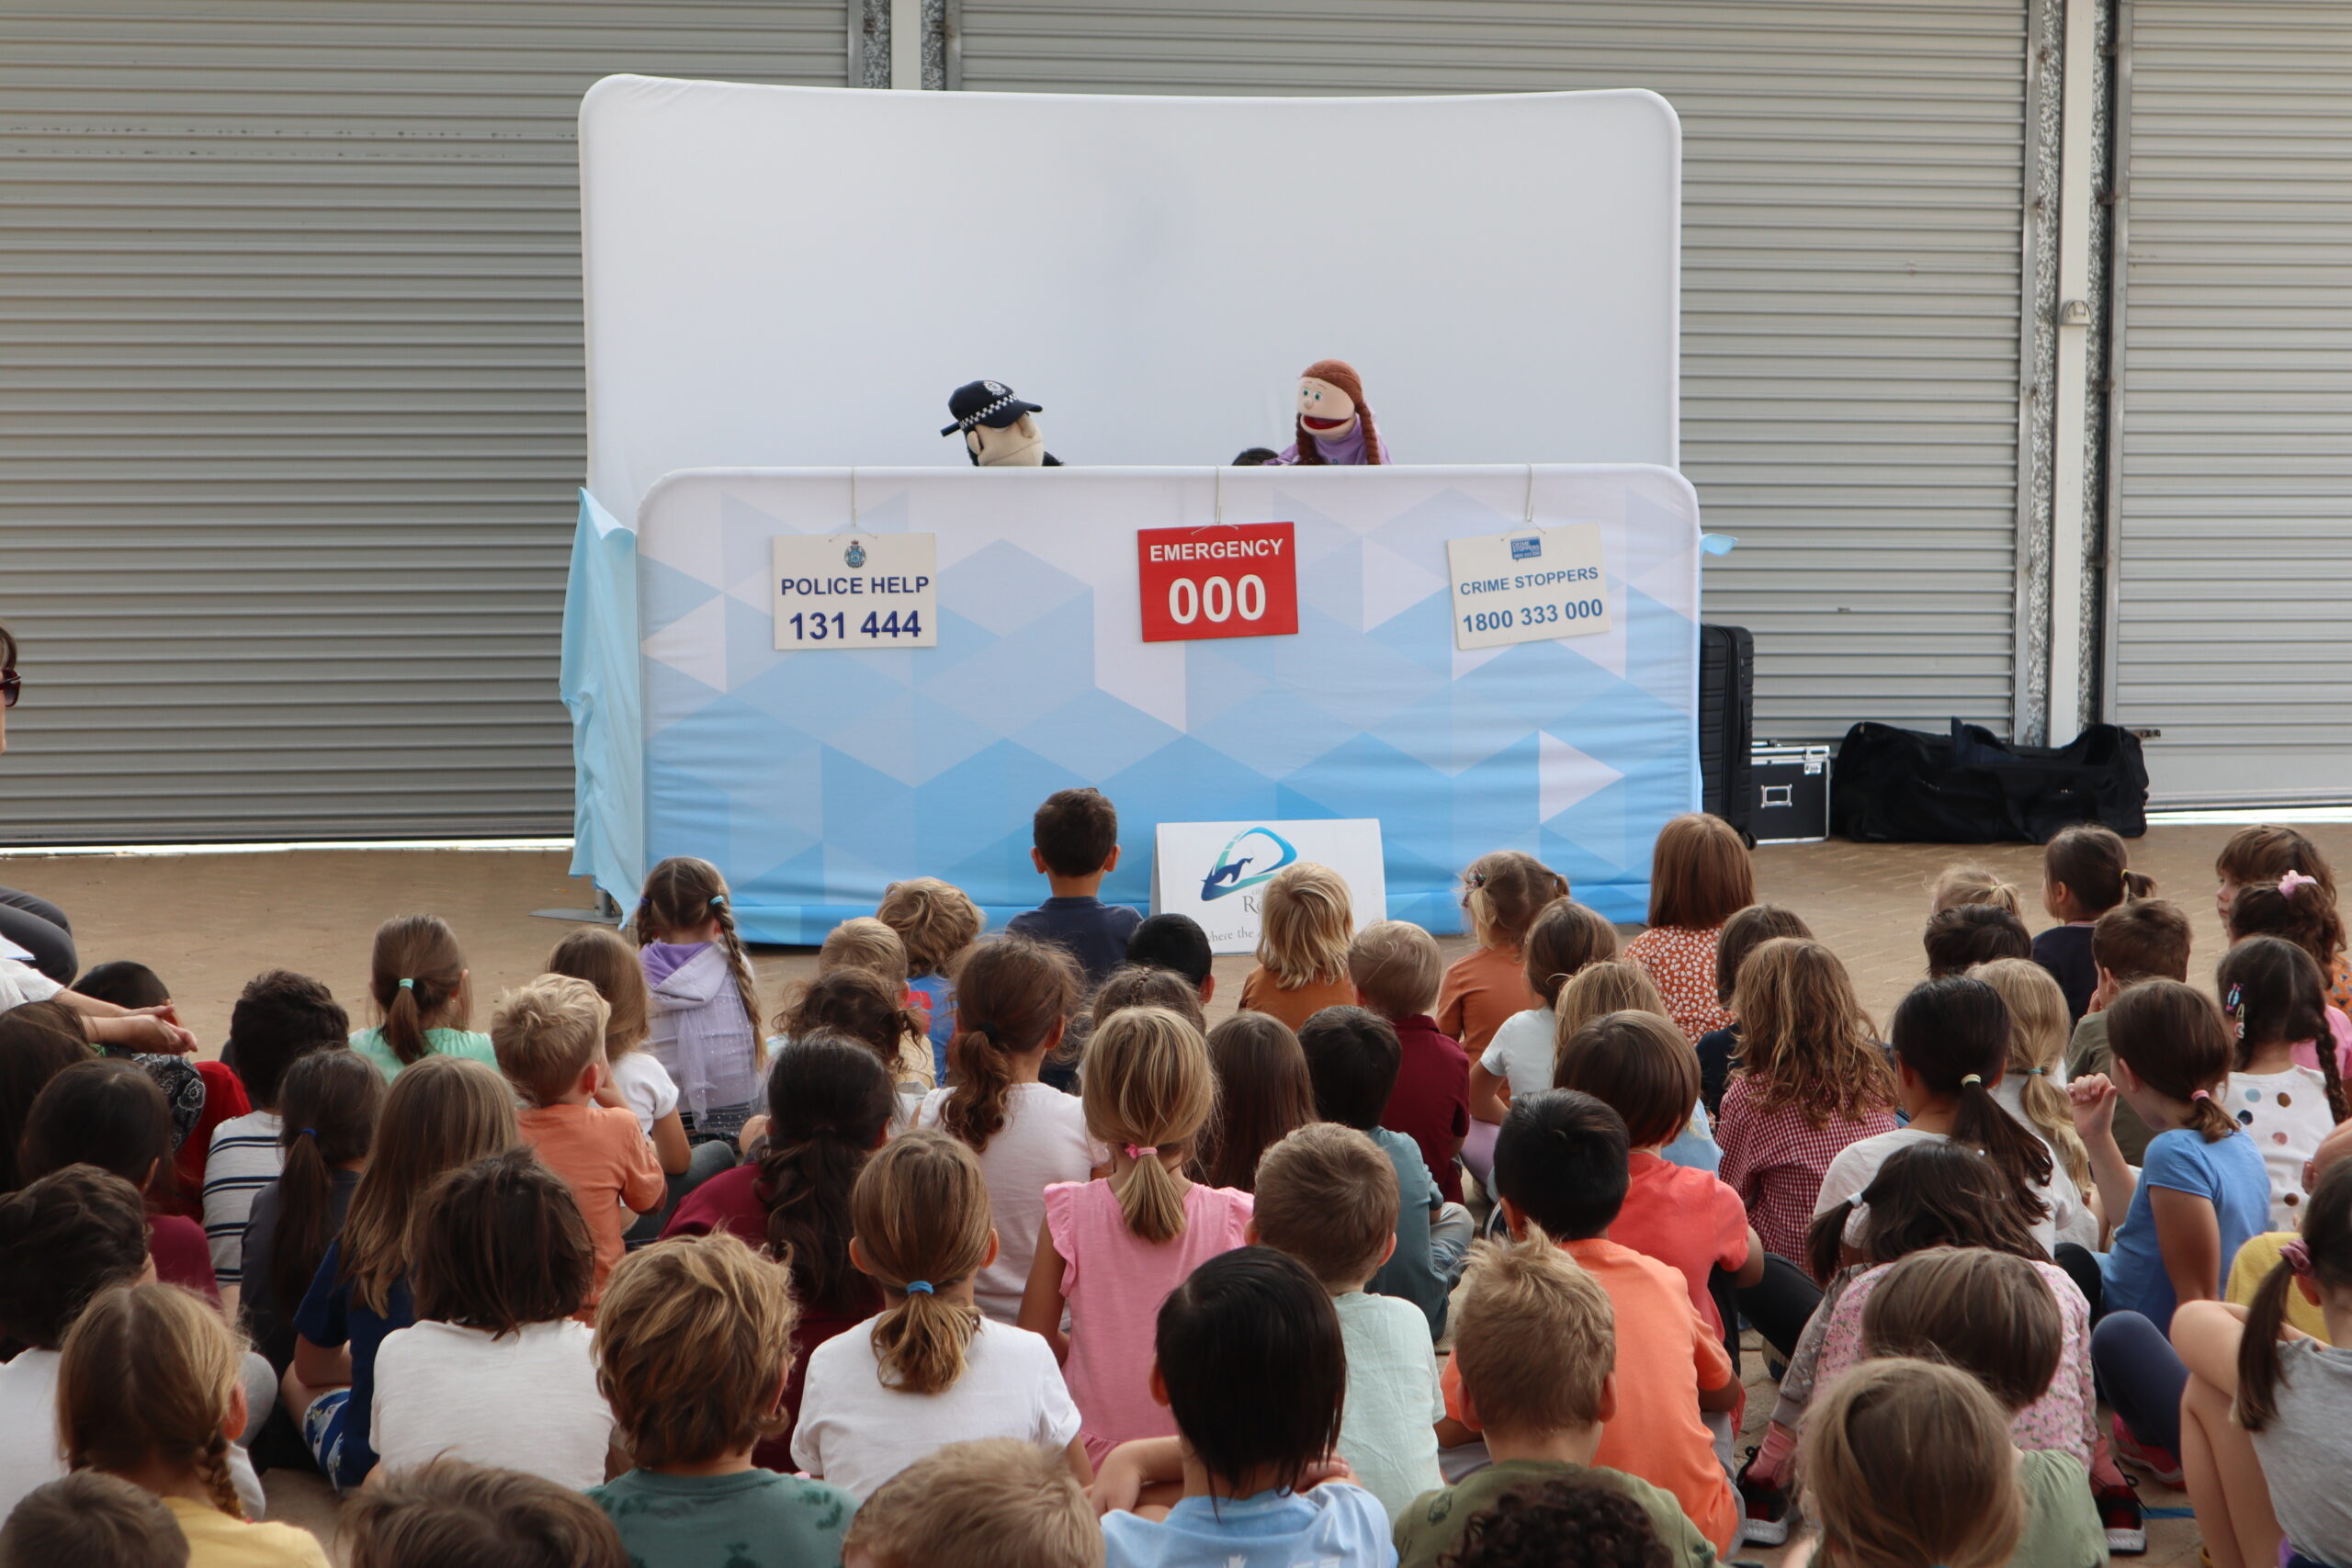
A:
<point x="1013" y="995"/>
<point x="1327" y="1195"/>
<point x="2275" y="1000"/>
<point x="931" y="1370"/>
<point x="502" y="1261"/>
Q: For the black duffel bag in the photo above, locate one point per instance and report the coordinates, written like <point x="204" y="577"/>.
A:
<point x="1971" y="788"/>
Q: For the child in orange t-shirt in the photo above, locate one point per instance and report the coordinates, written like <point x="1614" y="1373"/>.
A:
<point x="551" y="1041"/>
<point x="1502" y="893"/>
<point x="1560" y="1171"/>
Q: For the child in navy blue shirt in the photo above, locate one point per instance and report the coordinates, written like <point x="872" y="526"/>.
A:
<point x="1077" y="837"/>
<point x="2085" y="873"/>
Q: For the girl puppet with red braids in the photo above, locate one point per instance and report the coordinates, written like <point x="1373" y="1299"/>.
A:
<point x="1335" y="424"/>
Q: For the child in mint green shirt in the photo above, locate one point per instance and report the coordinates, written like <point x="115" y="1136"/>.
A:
<point x="417" y="977"/>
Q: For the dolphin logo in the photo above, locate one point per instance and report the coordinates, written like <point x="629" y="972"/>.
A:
<point x="1226" y="877"/>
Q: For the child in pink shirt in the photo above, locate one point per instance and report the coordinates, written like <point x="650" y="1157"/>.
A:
<point x="1113" y="1249"/>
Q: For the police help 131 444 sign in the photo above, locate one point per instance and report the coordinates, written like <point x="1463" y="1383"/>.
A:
<point x="848" y="590"/>
<point x="1528" y="586"/>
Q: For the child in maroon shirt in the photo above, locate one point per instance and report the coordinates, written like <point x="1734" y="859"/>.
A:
<point x="1396" y="969"/>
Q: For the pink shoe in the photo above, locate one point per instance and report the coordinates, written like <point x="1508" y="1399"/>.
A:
<point x="2161" y="1465"/>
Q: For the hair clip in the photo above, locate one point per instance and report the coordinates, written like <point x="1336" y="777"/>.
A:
<point x="920" y="1288"/>
<point x="1474" y="879"/>
<point x="2297" y="1255"/>
<point x="408" y="984"/>
<point x="2294" y="879"/>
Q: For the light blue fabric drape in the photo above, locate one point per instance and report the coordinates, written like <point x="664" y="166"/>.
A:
<point x="600" y="687"/>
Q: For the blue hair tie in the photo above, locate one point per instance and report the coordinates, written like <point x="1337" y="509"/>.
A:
<point x="408" y="984"/>
<point x="719" y="900"/>
<point x="919" y="1288"/>
<point x="309" y="1131"/>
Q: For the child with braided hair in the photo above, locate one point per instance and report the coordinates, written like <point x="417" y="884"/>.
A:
<point x="705" y="1020"/>
<point x="148" y="1389"/>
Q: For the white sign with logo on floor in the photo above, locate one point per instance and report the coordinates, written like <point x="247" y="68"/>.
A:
<point x="1216" y="871"/>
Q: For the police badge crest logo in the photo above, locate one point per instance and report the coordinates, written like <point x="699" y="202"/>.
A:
<point x="853" y="556"/>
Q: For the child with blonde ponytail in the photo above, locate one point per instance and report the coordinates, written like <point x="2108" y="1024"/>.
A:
<point x="149" y="1389"/>
<point x="1113" y="1249"/>
<point x="2033" y="1087"/>
<point x="1014" y="995"/>
<point x="706" y="1024"/>
<point x="930" y="1369"/>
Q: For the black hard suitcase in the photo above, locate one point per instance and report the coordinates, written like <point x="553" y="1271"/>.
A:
<point x="1727" y="723"/>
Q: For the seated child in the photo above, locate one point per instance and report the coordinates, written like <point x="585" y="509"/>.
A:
<point x="223" y="1095"/>
<point x="1700" y="876"/>
<point x="1394" y="969"/>
<point x="64" y="1239"/>
<point x="693" y="1341"/>
<point x="2265" y="1401"/>
<point x="1561" y="1167"/>
<point x="279" y="1018"/>
<point x="2274" y="1000"/>
<point x="1263" y="1094"/>
<point x="1327" y="1196"/>
<point x="150" y="1388"/>
<point x="1176" y="943"/>
<point x="1990" y="1314"/>
<point x="2085" y="873"/>
<point x="1565" y="938"/>
<point x="1811" y="1079"/>
<point x="417" y="980"/>
<point x="445" y="1113"/>
<point x="2258" y="1254"/>
<point x="1353" y="1058"/>
<point x="551" y="1040"/>
<point x="1075" y="835"/>
<point x="1962" y="937"/>
<point x="1302" y="936"/>
<point x="1142" y="986"/>
<point x="930" y="1369"/>
<point x="705" y="1023"/>
<point x="2267" y="854"/>
<point x="332" y="1101"/>
<point x="450" y="1514"/>
<point x="1616" y="985"/>
<point x="994" y="1502"/>
<point x="91" y="1520"/>
<point x="2300" y="910"/>
<point x="1909" y="1462"/>
<point x="1565" y="1519"/>
<point x="865" y="943"/>
<point x="1248" y="1360"/>
<point x="1968" y="884"/>
<point x="1013" y="998"/>
<point x="109" y="1114"/>
<point x="1536" y="1343"/>
<point x="937" y="922"/>
<point x="604" y="958"/>
<point x="1113" y="1247"/>
<point x="1503" y="893"/>
<point x="2144" y="939"/>
<point x="2033" y="1087"/>
<point x="1640" y="1066"/>
<point x="502" y="1262"/>
<point x="860" y="1005"/>
<point x="1747" y="931"/>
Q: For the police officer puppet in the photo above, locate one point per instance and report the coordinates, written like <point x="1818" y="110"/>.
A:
<point x="999" y="429"/>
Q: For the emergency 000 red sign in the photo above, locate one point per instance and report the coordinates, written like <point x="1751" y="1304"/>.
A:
<point x="1237" y="580"/>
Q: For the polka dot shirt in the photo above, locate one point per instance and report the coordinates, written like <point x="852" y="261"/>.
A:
<point x="2286" y="1114"/>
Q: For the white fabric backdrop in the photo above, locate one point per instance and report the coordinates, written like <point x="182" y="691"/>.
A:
<point x="799" y="276"/>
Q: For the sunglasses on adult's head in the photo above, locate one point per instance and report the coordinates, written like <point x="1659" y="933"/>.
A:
<point x="11" y="686"/>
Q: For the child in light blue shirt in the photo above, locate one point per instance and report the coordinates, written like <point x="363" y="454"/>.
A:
<point x="1250" y="1362"/>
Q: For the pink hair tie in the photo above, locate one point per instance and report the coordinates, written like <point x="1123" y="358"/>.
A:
<point x="2294" y="879"/>
<point x="2297" y="1255"/>
<point x="2201" y="1094"/>
<point x="1143" y="1151"/>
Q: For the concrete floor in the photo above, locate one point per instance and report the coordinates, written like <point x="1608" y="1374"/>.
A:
<point x="208" y="922"/>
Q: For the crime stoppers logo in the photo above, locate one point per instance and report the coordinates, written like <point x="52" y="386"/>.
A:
<point x="1250" y="857"/>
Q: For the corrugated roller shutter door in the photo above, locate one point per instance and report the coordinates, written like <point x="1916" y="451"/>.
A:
<point x="290" y="396"/>
<point x="1852" y="195"/>
<point x="2234" y="544"/>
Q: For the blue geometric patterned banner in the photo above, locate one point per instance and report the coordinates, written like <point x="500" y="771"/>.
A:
<point x="814" y="779"/>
